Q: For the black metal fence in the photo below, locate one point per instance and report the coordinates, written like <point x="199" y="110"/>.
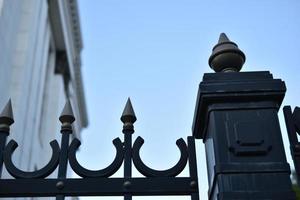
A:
<point x="96" y="182"/>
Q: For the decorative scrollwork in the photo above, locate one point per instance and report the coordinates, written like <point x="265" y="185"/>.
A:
<point x="106" y="172"/>
<point x="292" y="120"/>
<point x="146" y="171"/>
<point x="35" y="183"/>
<point x="296" y="117"/>
<point x="41" y="173"/>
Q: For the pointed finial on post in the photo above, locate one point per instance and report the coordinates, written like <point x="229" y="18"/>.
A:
<point x="226" y="56"/>
<point x="67" y="118"/>
<point x="128" y="118"/>
<point x="6" y="117"/>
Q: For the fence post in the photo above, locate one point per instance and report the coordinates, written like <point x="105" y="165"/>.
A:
<point x="66" y="118"/>
<point x="128" y="118"/>
<point x="236" y="117"/>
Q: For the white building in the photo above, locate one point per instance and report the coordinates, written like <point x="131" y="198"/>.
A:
<point x="40" y="66"/>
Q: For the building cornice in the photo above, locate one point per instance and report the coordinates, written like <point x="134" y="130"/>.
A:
<point x="64" y="15"/>
<point x="78" y="44"/>
<point x="75" y="24"/>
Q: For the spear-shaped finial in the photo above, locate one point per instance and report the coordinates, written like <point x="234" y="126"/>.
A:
<point x="128" y="117"/>
<point x="6" y="117"/>
<point x="67" y="117"/>
<point x="226" y="56"/>
<point x="67" y="113"/>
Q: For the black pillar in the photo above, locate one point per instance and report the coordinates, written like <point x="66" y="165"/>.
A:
<point x="236" y="117"/>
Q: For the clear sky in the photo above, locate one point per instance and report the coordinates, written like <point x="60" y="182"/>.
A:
<point x="156" y="51"/>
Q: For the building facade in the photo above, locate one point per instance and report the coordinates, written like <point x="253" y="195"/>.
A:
<point x="40" y="67"/>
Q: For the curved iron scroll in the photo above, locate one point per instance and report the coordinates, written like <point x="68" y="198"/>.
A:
<point x="41" y="173"/>
<point x="146" y="171"/>
<point x="106" y="172"/>
<point x="292" y="120"/>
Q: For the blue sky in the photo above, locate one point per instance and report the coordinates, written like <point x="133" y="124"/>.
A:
<point x="156" y="52"/>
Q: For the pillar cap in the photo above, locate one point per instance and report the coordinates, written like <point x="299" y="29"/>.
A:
<point x="234" y="91"/>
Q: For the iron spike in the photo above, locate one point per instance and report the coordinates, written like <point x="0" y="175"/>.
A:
<point x="67" y="115"/>
<point x="6" y="116"/>
<point x="128" y="115"/>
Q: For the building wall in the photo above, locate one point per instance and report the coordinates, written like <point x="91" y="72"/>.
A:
<point x="40" y="51"/>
